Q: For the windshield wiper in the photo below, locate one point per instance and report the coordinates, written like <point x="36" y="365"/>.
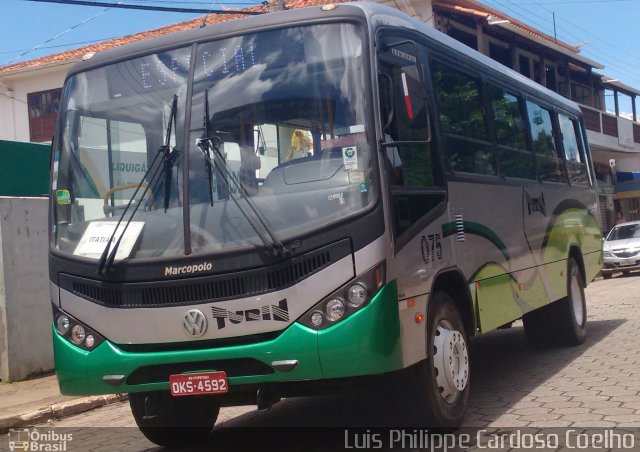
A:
<point x="272" y="242"/>
<point x="208" y="144"/>
<point x="168" y="157"/>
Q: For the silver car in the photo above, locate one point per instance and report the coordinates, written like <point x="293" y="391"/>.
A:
<point x="622" y="249"/>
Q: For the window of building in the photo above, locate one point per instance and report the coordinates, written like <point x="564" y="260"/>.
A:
<point x="524" y="65"/>
<point x="43" y="112"/>
<point x="466" y="38"/>
<point x="581" y="94"/>
<point x="550" y="166"/>
<point x="551" y="79"/>
<point x="510" y="128"/>
<point x="500" y="53"/>
<point x="462" y="120"/>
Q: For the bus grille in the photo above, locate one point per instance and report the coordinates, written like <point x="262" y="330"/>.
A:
<point x="206" y="288"/>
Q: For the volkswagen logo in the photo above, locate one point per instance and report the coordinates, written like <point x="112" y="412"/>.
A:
<point x="195" y="323"/>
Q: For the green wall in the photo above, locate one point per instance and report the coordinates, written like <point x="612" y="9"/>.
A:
<point x="24" y="168"/>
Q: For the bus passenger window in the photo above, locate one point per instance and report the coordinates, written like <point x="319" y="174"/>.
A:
<point x="516" y="159"/>
<point x="550" y="168"/>
<point x="462" y="120"/>
<point x="573" y="154"/>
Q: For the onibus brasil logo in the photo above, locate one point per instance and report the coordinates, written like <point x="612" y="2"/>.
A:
<point x="34" y="440"/>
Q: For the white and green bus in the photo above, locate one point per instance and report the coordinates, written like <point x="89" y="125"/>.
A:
<point x="303" y="197"/>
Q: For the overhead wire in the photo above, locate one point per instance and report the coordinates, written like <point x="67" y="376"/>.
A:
<point x="204" y="19"/>
<point x="58" y="35"/>
<point x="569" y="32"/>
<point x="122" y="5"/>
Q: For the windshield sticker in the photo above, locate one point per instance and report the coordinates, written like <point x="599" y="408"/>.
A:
<point x="96" y="236"/>
<point x="356" y="177"/>
<point x="350" y="158"/>
<point x="363" y="187"/>
<point x="63" y="197"/>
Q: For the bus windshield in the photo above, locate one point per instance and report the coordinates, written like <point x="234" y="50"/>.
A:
<point x="282" y="113"/>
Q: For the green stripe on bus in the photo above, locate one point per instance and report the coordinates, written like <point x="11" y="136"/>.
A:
<point x="481" y="230"/>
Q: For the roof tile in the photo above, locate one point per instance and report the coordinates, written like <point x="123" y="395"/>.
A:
<point x="77" y="53"/>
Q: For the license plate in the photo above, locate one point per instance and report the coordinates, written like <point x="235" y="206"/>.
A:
<point x="198" y="383"/>
<point x="627" y="263"/>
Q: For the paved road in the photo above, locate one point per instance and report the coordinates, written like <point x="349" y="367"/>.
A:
<point x="596" y="384"/>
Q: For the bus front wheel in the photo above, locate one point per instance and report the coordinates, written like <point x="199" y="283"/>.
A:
<point x="443" y="378"/>
<point x="174" y="421"/>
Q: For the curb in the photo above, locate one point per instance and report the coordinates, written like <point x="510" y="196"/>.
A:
<point x="58" y="411"/>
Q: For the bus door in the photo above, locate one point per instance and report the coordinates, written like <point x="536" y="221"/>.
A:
<point x="411" y="165"/>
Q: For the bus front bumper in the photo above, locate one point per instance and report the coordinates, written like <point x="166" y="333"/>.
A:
<point x="365" y="343"/>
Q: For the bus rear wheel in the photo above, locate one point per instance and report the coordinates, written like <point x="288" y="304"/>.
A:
<point x="174" y="421"/>
<point x="443" y="378"/>
<point x="563" y="322"/>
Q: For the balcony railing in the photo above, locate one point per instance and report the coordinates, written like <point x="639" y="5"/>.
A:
<point x="605" y="123"/>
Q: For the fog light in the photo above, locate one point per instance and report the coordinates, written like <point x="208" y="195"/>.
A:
<point x="317" y="318"/>
<point x="89" y="341"/>
<point x="357" y="294"/>
<point x="77" y="334"/>
<point x="62" y="324"/>
<point x="334" y="309"/>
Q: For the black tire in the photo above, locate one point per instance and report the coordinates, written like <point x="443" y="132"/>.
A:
<point x="572" y="311"/>
<point x="606" y="275"/>
<point x="626" y="272"/>
<point x="440" y="407"/>
<point x="174" y="421"/>
<point x="563" y="322"/>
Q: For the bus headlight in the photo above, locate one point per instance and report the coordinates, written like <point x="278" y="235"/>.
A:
<point x="62" y="324"/>
<point x="317" y="318"/>
<point x="75" y="331"/>
<point x="357" y="294"/>
<point x="89" y="341"/>
<point x="347" y="300"/>
<point x="77" y="334"/>
<point x="334" y="309"/>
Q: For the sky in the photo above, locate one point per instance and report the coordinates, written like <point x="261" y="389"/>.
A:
<point x="609" y="28"/>
<point x="25" y="24"/>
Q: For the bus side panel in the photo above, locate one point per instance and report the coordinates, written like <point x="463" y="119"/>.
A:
<point x="415" y="266"/>
<point x="504" y="298"/>
<point x="492" y="251"/>
<point x="517" y="241"/>
<point x="568" y="221"/>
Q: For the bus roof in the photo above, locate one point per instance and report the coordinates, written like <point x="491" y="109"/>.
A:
<point x="375" y="14"/>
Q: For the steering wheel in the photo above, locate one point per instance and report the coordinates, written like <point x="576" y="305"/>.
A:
<point x="107" y="209"/>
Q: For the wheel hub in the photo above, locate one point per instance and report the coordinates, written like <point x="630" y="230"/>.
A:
<point x="451" y="361"/>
